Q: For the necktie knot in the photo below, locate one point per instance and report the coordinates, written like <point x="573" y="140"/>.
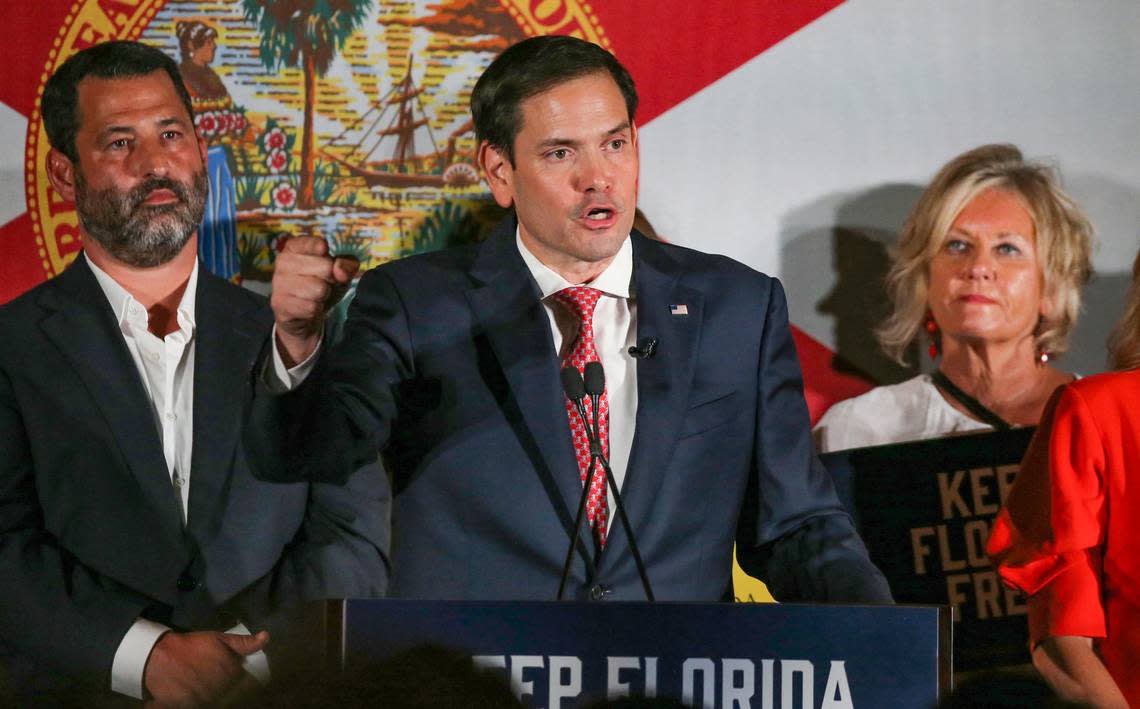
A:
<point x="580" y="301"/>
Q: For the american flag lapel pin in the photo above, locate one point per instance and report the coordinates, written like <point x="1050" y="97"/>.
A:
<point x="680" y="309"/>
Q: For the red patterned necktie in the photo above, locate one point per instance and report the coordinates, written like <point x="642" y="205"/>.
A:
<point x="580" y="301"/>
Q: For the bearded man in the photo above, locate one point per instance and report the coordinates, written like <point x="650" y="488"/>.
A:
<point x="138" y="555"/>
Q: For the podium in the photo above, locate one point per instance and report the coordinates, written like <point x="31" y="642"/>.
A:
<point x="705" y="654"/>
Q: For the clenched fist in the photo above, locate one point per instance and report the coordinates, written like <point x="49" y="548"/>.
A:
<point x="306" y="283"/>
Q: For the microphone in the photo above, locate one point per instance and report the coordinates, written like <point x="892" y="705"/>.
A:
<point x="595" y="380"/>
<point x="576" y="388"/>
<point x="645" y="348"/>
<point x="573" y="385"/>
<point x="595" y="385"/>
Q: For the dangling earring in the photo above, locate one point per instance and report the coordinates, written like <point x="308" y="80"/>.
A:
<point x="1043" y="354"/>
<point x="932" y="333"/>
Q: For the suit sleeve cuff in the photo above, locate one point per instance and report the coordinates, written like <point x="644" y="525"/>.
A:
<point x="130" y="659"/>
<point x="280" y="378"/>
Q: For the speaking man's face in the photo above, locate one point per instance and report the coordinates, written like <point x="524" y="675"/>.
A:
<point x="140" y="185"/>
<point x="574" y="179"/>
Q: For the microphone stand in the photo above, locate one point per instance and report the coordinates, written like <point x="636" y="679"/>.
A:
<point x="594" y="383"/>
<point x="576" y="391"/>
<point x="595" y="452"/>
<point x="625" y="522"/>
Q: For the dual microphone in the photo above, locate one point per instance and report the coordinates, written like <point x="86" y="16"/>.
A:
<point x="577" y="387"/>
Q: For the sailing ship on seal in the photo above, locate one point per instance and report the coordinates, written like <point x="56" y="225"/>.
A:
<point x="382" y="146"/>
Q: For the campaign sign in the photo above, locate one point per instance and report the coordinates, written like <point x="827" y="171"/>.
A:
<point x="707" y="655"/>
<point x="925" y="510"/>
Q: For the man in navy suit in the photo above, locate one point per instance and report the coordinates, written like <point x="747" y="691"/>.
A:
<point x="450" y="364"/>
<point x="137" y="551"/>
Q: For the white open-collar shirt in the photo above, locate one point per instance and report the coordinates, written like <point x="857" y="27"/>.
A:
<point x="615" y="331"/>
<point x="166" y="367"/>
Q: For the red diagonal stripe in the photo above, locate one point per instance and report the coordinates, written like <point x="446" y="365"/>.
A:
<point x="675" y="49"/>
<point x="824" y="383"/>
<point x="32" y="28"/>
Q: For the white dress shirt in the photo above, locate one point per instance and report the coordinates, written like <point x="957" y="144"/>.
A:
<point x="166" y="367"/>
<point x="615" y="331"/>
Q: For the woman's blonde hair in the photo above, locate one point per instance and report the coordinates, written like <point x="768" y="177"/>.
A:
<point x="1064" y="242"/>
<point x="1124" y="342"/>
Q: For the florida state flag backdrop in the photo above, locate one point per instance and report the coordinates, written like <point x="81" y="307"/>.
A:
<point x="793" y="136"/>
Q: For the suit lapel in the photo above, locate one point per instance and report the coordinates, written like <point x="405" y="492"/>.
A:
<point x="84" y="329"/>
<point x="663" y="381"/>
<point x="507" y="304"/>
<point x="231" y="329"/>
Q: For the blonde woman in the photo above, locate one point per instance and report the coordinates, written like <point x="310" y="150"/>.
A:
<point x="988" y="272"/>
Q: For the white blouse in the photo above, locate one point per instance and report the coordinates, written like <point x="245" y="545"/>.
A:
<point x="908" y="411"/>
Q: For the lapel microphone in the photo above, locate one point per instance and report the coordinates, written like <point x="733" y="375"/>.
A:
<point x="645" y="348"/>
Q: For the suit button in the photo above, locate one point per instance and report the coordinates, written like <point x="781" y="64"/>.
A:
<point x="598" y="592"/>
<point x="186" y="582"/>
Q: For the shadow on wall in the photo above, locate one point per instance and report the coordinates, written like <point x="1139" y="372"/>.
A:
<point x="1114" y="208"/>
<point x="1103" y="305"/>
<point x="835" y="274"/>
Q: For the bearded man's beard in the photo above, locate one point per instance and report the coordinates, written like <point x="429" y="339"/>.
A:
<point x="139" y="234"/>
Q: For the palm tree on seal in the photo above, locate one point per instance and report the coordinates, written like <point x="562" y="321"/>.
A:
<point x="306" y="34"/>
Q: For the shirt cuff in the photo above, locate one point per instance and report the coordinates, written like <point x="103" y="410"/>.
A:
<point x="130" y="659"/>
<point x="280" y="378"/>
<point x="257" y="664"/>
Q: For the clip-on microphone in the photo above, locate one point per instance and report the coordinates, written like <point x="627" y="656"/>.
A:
<point x="645" y="348"/>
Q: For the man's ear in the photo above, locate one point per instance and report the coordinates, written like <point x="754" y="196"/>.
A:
<point x="203" y="149"/>
<point x="498" y="172"/>
<point x="61" y="174"/>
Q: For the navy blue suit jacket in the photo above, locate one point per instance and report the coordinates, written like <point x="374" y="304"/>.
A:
<point x="91" y="532"/>
<point x="448" y="365"/>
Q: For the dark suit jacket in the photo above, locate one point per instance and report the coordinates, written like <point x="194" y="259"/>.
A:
<point x="448" y="364"/>
<point x="91" y="533"/>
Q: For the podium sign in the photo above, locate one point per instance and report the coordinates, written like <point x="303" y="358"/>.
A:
<point x="708" y="655"/>
<point x="925" y="510"/>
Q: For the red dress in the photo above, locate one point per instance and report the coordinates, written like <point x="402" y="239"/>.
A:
<point x="1069" y="535"/>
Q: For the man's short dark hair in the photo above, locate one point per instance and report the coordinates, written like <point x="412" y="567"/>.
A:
<point x="530" y="67"/>
<point x="120" y="59"/>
